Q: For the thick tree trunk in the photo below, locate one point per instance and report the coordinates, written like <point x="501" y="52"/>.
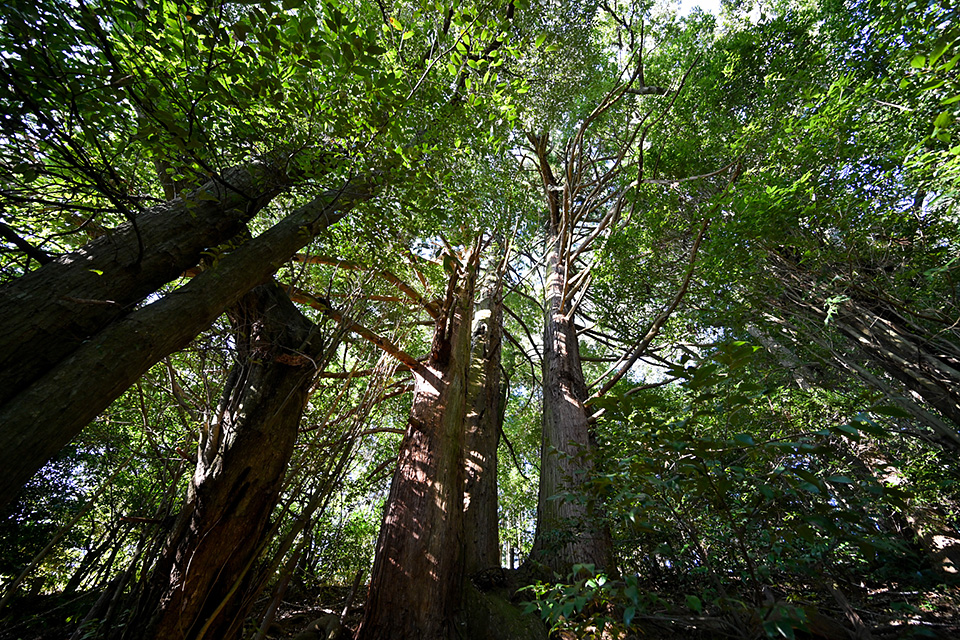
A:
<point x="48" y="313"/>
<point x="41" y="419"/>
<point x="415" y="585"/>
<point x="568" y="531"/>
<point x="197" y="587"/>
<point x="481" y="526"/>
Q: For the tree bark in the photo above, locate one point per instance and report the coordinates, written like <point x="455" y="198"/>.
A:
<point x="926" y="363"/>
<point x="40" y="420"/>
<point x="48" y="313"/>
<point x="415" y="585"/>
<point x="481" y="525"/>
<point x="568" y="531"/>
<point x="197" y="587"/>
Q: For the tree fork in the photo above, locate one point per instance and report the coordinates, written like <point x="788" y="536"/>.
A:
<point x="417" y="575"/>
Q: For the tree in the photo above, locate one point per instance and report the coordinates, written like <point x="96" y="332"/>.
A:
<point x="686" y="189"/>
<point x="56" y="314"/>
<point x="417" y="575"/>
<point x="483" y="425"/>
<point x="224" y="525"/>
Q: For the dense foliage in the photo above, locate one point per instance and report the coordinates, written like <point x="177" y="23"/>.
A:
<point x="764" y="237"/>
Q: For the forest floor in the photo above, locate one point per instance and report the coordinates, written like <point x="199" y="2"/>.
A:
<point x="881" y="613"/>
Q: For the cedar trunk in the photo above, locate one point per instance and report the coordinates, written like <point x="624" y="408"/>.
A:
<point x="198" y="585"/>
<point x="41" y="419"/>
<point x="481" y="525"/>
<point x="568" y="531"/>
<point x="48" y="313"/>
<point x="417" y="575"/>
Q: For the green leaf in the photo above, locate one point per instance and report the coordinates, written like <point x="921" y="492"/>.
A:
<point x="950" y="64"/>
<point x="694" y="604"/>
<point x="839" y="480"/>
<point x="628" y="615"/>
<point x="779" y="629"/>
<point x="540" y="40"/>
<point x="943" y="120"/>
<point x="744" y="438"/>
<point x="889" y="410"/>
<point x="938" y="50"/>
<point x="918" y="62"/>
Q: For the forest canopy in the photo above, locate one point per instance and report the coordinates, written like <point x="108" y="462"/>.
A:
<point x="506" y="319"/>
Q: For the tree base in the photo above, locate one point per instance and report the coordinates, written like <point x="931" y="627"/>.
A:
<point x="492" y="616"/>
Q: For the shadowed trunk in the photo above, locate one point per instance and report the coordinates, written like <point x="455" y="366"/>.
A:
<point x="926" y="362"/>
<point x="481" y="525"/>
<point x="48" y="313"/>
<point x="415" y="585"/>
<point x="41" y="419"/>
<point x="568" y="531"/>
<point x="198" y="584"/>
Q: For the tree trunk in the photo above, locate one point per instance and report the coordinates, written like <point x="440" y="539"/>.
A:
<point x="40" y="420"/>
<point x="48" y="313"/>
<point x="415" y="585"/>
<point x="926" y="362"/>
<point x="197" y="588"/>
<point x="482" y="431"/>
<point x="568" y="531"/>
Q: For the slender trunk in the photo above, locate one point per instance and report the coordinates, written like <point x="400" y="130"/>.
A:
<point x="91" y="558"/>
<point x="926" y="362"/>
<point x="568" y="531"/>
<point x="482" y="431"/>
<point x="198" y="585"/>
<point x="415" y="584"/>
<point x="930" y="372"/>
<point x="937" y="430"/>
<point x="40" y="420"/>
<point x="48" y="313"/>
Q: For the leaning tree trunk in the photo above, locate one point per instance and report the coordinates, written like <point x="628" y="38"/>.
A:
<point x="568" y="529"/>
<point x="925" y="362"/>
<point x="484" y="420"/>
<point x="41" y="419"/>
<point x="197" y="587"/>
<point x="415" y="584"/>
<point x="48" y="313"/>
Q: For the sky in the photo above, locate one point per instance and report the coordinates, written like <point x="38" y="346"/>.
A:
<point x="711" y="6"/>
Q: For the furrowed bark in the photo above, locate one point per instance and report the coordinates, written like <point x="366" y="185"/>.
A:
<point x="415" y="585"/>
<point x="48" y="313"/>
<point x="39" y="421"/>
<point x="197" y="587"/>
<point x="481" y="525"/>
<point x="568" y="531"/>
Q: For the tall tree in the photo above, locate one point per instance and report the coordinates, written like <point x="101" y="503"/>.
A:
<point x="418" y="571"/>
<point x="223" y="527"/>
<point x="483" y="426"/>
